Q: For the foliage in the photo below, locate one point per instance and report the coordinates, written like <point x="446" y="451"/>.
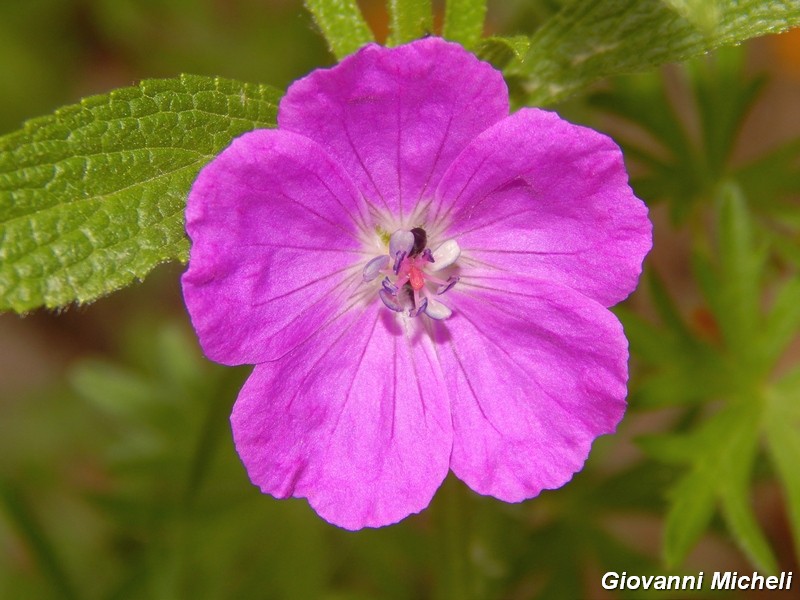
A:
<point x="92" y="197"/>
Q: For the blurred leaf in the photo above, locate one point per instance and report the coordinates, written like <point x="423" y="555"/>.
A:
<point x="738" y="289"/>
<point x="721" y="455"/>
<point x="688" y="517"/>
<point x="92" y="197"/>
<point x="463" y="21"/>
<point x="782" y="322"/>
<point x="342" y="24"/>
<point x="782" y="427"/>
<point x="774" y="176"/>
<point x="590" y="40"/>
<point x="681" y="165"/>
<point x="114" y="390"/>
<point x="249" y="40"/>
<point x="30" y="529"/>
<point x="734" y="490"/>
<point x="410" y="20"/>
<point x="39" y="58"/>
<point x="678" y="365"/>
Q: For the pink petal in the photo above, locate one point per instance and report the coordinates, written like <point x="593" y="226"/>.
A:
<point x="356" y="420"/>
<point x="537" y="195"/>
<point x="536" y="372"/>
<point x="275" y="228"/>
<point x="396" y="118"/>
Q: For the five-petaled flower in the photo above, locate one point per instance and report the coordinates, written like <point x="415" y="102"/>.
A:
<point x="422" y="282"/>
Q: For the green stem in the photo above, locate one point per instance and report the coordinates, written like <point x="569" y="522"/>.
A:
<point x="453" y="523"/>
<point x="463" y="21"/>
<point x="31" y="530"/>
<point x="342" y="24"/>
<point x="410" y="20"/>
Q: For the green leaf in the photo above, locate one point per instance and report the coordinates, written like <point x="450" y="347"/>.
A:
<point x="410" y="20"/>
<point x="704" y="14"/>
<point x="93" y="196"/>
<point x="774" y="175"/>
<point x="586" y="41"/>
<point x="734" y="487"/>
<point x="782" y="424"/>
<point x="740" y="272"/>
<point x="463" y="21"/>
<point x="500" y="50"/>
<point x="721" y="453"/>
<point x="782" y="323"/>
<point x="688" y="517"/>
<point x="342" y="24"/>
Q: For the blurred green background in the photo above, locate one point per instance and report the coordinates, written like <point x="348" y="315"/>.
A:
<point x="118" y="477"/>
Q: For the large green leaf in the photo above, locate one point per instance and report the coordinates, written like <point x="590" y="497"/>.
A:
<point x="92" y="197"/>
<point x="703" y="13"/>
<point x="588" y="40"/>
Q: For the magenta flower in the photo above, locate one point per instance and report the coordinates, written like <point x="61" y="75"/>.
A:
<point x="421" y="281"/>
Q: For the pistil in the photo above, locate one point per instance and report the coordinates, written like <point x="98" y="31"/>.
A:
<point x="408" y="270"/>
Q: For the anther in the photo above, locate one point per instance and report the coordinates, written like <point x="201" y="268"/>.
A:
<point x="401" y="241"/>
<point x="374" y="267"/>
<point x="391" y="301"/>
<point x="445" y="255"/>
<point x="437" y="310"/>
<point x="451" y="281"/>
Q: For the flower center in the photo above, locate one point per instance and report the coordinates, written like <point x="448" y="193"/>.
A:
<point x="409" y="284"/>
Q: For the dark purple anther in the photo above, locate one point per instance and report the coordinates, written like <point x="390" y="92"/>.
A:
<point x="398" y="259"/>
<point x="390" y="300"/>
<point x="419" y="309"/>
<point x="451" y="281"/>
<point x="428" y="255"/>
<point x="374" y="267"/>
<point x="389" y="286"/>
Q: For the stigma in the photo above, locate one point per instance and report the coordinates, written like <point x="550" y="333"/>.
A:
<point x="411" y="283"/>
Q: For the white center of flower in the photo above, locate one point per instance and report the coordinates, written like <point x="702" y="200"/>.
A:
<point x="409" y="285"/>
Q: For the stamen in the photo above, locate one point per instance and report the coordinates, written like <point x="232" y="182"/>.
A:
<point x="401" y="241"/>
<point x="398" y="260"/>
<point x="445" y="255"/>
<point x="423" y="305"/>
<point x="374" y="267"/>
<point x="389" y="286"/>
<point x="408" y="287"/>
<point x="451" y="281"/>
<point x="391" y="301"/>
<point x="437" y="310"/>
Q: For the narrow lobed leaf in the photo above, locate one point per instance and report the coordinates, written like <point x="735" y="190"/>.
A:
<point x="740" y="272"/>
<point x="734" y="488"/>
<point x="342" y="25"/>
<point x="463" y="21"/>
<point x="722" y="451"/>
<point x="782" y="424"/>
<point x="586" y="41"/>
<point x="92" y="197"/>
<point x="410" y="20"/>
